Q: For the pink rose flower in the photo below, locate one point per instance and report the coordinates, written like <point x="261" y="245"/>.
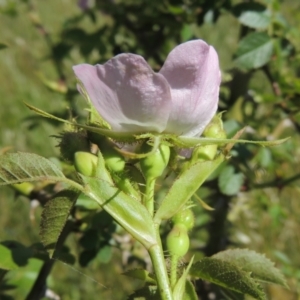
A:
<point x="180" y="99"/>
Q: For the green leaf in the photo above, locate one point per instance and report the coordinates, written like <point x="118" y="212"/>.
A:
<point x="229" y="182"/>
<point x="184" y="188"/>
<point x="104" y="255"/>
<point x="127" y="211"/>
<point x="190" y="293"/>
<point x="180" y="287"/>
<point x="20" y="167"/>
<point x="264" y="157"/>
<point x="23" y="278"/>
<point x="253" y="14"/>
<point x="141" y="274"/>
<point x="55" y="216"/>
<point x="261" y="268"/>
<point x="231" y="126"/>
<point x="186" y="32"/>
<point x="13" y="255"/>
<point x="254" y="51"/>
<point x="86" y="202"/>
<point x="145" y="293"/>
<point x="227" y="275"/>
<point x="232" y="295"/>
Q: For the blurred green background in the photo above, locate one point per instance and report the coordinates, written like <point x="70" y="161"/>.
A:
<point x="41" y="42"/>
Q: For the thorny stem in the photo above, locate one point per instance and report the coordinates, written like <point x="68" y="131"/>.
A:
<point x="159" y="266"/>
<point x="149" y="195"/>
<point x="173" y="270"/>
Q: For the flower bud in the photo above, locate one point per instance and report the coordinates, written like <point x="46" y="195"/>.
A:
<point x="207" y="152"/>
<point x="178" y="242"/>
<point x="215" y="128"/>
<point x="85" y="163"/>
<point x="185" y="218"/>
<point x="114" y="161"/>
<point x="155" y="163"/>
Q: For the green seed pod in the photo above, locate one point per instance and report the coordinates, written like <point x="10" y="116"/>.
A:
<point x="185" y="218"/>
<point x="215" y="128"/>
<point x="85" y="163"/>
<point x="178" y="241"/>
<point x="154" y="164"/>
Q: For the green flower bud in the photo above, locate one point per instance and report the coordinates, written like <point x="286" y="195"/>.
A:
<point x="114" y="161"/>
<point x="154" y="164"/>
<point x="215" y="128"/>
<point x="85" y="163"/>
<point x="185" y="218"/>
<point x="178" y="241"/>
<point x="207" y="152"/>
<point x="72" y="142"/>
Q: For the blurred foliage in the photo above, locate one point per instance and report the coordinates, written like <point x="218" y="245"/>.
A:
<point x="259" y="48"/>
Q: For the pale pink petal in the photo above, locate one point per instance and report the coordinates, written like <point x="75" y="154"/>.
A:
<point x="192" y="71"/>
<point x="127" y="93"/>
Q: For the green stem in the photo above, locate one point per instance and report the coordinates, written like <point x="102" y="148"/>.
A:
<point x="149" y="195"/>
<point x="173" y="271"/>
<point x="159" y="266"/>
